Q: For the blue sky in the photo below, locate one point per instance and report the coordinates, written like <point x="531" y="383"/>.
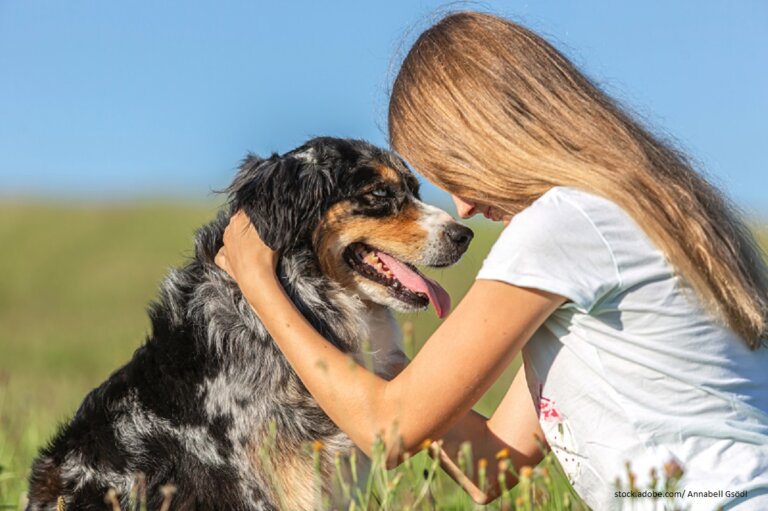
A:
<point x="116" y="100"/>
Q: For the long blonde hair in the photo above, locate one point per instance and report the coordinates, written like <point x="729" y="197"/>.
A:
<point x="491" y="112"/>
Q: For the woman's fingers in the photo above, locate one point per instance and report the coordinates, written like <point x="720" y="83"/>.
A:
<point x="221" y="260"/>
<point x="244" y="252"/>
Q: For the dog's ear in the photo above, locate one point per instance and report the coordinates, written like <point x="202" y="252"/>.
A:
<point x="283" y="196"/>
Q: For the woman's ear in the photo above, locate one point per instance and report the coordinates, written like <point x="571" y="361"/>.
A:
<point x="283" y="196"/>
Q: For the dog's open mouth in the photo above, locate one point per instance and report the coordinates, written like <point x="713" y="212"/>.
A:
<point x="402" y="280"/>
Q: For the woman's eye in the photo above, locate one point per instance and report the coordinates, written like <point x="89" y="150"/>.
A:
<point x="380" y="192"/>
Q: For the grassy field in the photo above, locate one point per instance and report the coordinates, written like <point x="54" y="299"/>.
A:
<point x="75" y="284"/>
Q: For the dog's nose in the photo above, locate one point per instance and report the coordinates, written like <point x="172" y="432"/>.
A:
<point x="459" y="235"/>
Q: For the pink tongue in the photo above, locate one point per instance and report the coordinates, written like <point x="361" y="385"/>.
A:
<point x="419" y="283"/>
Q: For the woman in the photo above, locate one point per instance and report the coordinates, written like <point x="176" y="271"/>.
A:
<point x="638" y="299"/>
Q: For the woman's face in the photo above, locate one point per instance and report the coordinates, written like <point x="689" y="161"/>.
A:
<point x="467" y="209"/>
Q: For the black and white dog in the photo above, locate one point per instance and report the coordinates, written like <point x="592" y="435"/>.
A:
<point x="209" y="389"/>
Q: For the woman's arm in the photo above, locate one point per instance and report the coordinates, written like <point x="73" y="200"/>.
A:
<point x="454" y="368"/>
<point x="514" y="428"/>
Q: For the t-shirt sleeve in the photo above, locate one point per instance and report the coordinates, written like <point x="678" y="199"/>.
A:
<point x="554" y="246"/>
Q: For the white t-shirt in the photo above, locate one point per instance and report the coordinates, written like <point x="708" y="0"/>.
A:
<point x="632" y="368"/>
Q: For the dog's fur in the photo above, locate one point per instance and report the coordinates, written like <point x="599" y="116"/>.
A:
<point x="208" y="403"/>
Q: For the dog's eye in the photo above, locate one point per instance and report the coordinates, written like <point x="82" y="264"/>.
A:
<point x="380" y="192"/>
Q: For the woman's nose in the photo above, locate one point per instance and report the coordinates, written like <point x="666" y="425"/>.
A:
<point x="463" y="208"/>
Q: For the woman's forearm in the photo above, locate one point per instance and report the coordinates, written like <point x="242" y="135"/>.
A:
<point x="470" y="444"/>
<point x="510" y="440"/>
<point x="461" y="449"/>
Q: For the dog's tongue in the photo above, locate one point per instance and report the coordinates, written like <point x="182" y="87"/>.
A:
<point x="419" y="283"/>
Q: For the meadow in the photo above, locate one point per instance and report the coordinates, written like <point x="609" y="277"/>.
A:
<point x="76" y="280"/>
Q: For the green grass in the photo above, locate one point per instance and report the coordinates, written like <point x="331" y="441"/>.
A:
<point x="76" y="281"/>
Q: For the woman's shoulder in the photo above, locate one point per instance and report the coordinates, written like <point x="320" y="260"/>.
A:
<point x="556" y="245"/>
<point x="577" y="244"/>
<point x="586" y="225"/>
<point x="567" y="200"/>
<point x="572" y="212"/>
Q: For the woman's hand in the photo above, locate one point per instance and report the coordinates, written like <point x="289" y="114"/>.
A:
<point x="244" y="254"/>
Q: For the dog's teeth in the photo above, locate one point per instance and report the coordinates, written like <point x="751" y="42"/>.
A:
<point x="396" y="284"/>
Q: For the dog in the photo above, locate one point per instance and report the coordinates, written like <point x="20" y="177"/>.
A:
<point x="208" y="390"/>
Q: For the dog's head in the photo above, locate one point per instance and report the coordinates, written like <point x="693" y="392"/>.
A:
<point x="357" y="208"/>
